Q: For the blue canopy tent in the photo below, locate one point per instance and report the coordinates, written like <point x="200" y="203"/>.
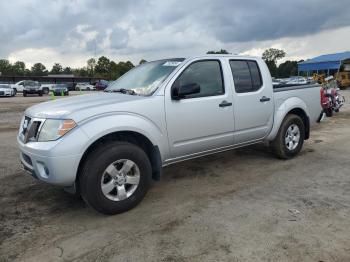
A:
<point x="323" y="62"/>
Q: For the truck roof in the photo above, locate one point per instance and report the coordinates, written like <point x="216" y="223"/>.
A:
<point x="224" y="55"/>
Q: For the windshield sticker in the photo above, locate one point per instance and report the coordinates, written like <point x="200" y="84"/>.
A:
<point x="171" y="63"/>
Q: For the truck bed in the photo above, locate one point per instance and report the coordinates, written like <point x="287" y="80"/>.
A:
<point x="310" y="94"/>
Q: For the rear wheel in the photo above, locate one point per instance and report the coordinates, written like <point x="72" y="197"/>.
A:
<point x="290" y="137"/>
<point x="24" y="93"/>
<point x="115" y="177"/>
<point x="14" y="92"/>
<point x="329" y="112"/>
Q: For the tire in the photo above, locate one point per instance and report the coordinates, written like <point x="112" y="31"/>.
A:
<point x="279" y="144"/>
<point x="24" y="93"/>
<point x="329" y="112"/>
<point x="94" y="172"/>
<point x="40" y="93"/>
<point x="46" y="91"/>
<point x="14" y="92"/>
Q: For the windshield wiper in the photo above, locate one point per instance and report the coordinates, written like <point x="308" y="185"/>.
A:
<point x="122" y="90"/>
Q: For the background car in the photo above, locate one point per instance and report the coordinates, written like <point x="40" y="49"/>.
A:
<point x="6" y="90"/>
<point x="101" y="84"/>
<point x="297" y="80"/>
<point x="84" y="86"/>
<point x="60" y="89"/>
<point x="32" y="87"/>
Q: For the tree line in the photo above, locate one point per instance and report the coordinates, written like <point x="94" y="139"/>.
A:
<point x="108" y="69"/>
<point x="101" y="68"/>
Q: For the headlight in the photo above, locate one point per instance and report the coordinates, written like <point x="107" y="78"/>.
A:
<point x="53" y="129"/>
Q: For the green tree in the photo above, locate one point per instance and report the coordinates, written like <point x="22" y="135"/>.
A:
<point x="113" y="70"/>
<point x="67" y="70"/>
<point x="221" y="51"/>
<point x="102" y="67"/>
<point x="124" y="67"/>
<point x="5" y="67"/>
<point x="56" y="69"/>
<point x="19" y="68"/>
<point x="91" y="63"/>
<point x="271" y="56"/>
<point x="142" y="61"/>
<point x="83" y="72"/>
<point x="38" y="69"/>
<point x="287" y="69"/>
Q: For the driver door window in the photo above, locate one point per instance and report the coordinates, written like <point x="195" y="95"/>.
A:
<point x="207" y="74"/>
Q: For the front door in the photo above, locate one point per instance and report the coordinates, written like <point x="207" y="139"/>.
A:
<point x="202" y="121"/>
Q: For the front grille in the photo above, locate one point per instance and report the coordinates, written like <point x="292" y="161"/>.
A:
<point x="2" y="93"/>
<point x="30" y="129"/>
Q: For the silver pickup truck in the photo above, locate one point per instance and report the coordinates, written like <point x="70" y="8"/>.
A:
<point x="108" y="146"/>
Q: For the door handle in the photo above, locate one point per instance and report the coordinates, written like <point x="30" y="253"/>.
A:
<point x="264" y="99"/>
<point x="225" y="103"/>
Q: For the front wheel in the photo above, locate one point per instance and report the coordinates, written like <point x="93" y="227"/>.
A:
<point x="290" y="137"/>
<point x="115" y="177"/>
<point x="46" y="91"/>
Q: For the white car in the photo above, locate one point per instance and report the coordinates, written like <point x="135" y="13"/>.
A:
<point x="6" y="90"/>
<point x="297" y="81"/>
<point x="84" y="86"/>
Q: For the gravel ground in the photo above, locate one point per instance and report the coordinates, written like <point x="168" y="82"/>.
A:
<point x="242" y="205"/>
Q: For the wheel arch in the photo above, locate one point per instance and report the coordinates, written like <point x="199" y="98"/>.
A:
<point x="293" y="105"/>
<point x="132" y="137"/>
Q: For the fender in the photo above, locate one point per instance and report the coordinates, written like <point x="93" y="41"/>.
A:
<point x="283" y="108"/>
<point x="102" y="125"/>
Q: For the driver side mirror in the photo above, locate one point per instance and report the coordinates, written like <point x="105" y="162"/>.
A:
<point x="181" y="91"/>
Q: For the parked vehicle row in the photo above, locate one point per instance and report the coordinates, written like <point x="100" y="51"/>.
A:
<point x="108" y="147"/>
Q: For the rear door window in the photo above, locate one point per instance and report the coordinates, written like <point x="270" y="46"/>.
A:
<point x="246" y="75"/>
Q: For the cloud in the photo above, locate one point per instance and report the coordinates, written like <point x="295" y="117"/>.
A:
<point x="75" y="30"/>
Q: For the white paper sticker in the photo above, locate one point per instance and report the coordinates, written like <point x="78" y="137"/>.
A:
<point x="171" y="63"/>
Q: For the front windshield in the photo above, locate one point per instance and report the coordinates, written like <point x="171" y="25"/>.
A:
<point x="145" y="78"/>
<point x="5" y="86"/>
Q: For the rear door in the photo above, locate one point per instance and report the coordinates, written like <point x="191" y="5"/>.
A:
<point x="253" y="103"/>
<point x="203" y="121"/>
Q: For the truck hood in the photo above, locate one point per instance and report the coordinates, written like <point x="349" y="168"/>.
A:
<point x="82" y="105"/>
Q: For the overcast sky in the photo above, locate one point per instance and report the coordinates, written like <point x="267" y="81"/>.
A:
<point x="70" y="32"/>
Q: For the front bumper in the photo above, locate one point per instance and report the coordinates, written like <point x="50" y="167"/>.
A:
<point x="46" y="162"/>
<point x="6" y="94"/>
<point x="32" y="91"/>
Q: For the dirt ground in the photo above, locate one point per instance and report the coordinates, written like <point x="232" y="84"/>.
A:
<point x="242" y="205"/>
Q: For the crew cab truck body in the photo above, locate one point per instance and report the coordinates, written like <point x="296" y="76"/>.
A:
<point x="109" y="146"/>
